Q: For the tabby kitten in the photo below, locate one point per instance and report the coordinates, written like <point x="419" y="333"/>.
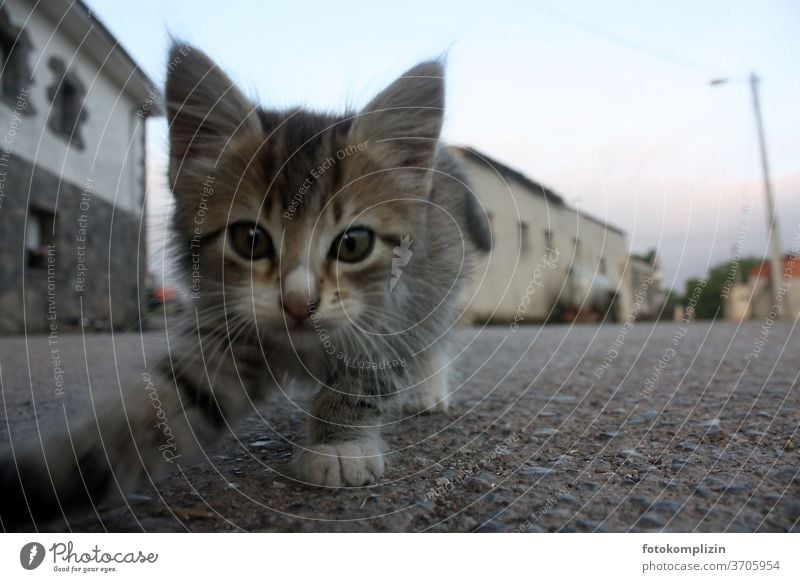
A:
<point x="329" y="249"/>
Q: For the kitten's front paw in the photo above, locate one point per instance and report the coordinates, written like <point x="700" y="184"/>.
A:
<point x="351" y="463"/>
<point x="429" y="397"/>
<point x="431" y="394"/>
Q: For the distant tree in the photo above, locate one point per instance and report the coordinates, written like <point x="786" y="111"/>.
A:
<point x="649" y="257"/>
<point x="708" y="298"/>
<point x="671" y="300"/>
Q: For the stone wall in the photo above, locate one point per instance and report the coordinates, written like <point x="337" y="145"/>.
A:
<point x="97" y="262"/>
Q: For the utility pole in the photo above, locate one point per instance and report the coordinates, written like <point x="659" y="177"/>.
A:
<point x="775" y="260"/>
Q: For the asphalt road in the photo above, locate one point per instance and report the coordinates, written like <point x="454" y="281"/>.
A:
<point x="558" y="428"/>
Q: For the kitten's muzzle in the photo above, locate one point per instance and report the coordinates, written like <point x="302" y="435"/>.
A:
<point x="298" y="306"/>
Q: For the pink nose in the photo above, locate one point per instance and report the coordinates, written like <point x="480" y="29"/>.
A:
<point x="298" y="305"/>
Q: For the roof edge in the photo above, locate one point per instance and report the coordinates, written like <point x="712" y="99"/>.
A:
<point x="536" y="187"/>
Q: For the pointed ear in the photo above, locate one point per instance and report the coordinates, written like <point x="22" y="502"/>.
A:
<point x="204" y="108"/>
<point x="402" y="124"/>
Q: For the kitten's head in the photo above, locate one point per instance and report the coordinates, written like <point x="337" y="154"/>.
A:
<point x="290" y="219"/>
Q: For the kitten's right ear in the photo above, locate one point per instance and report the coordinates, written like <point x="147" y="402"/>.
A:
<point x="204" y="107"/>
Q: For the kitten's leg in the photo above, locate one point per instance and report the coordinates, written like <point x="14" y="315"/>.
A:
<point x="431" y="394"/>
<point x="346" y="448"/>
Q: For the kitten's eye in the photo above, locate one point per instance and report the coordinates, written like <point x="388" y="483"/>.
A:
<point x="353" y="245"/>
<point x="250" y="240"/>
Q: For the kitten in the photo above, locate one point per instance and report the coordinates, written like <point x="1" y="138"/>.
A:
<point x="330" y="249"/>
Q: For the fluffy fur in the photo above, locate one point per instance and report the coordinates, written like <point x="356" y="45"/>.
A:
<point x="369" y="334"/>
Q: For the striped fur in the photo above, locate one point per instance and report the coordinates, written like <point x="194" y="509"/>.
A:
<point x="304" y="178"/>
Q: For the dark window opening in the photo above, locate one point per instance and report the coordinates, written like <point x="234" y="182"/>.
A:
<point x="39" y="237"/>
<point x="15" y="74"/>
<point x="548" y="240"/>
<point x="67" y="96"/>
<point x="65" y="108"/>
<point x="524" y="237"/>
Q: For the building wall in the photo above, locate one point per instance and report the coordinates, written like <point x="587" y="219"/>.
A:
<point x="112" y="131"/>
<point x="502" y="281"/>
<point x="600" y="258"/>
<point x="95" y="195"/>
<point x="755" y="299"/>
<point x="525" y="280"/>
<point x="101" y="286"/>
<point x="737" y="303"/>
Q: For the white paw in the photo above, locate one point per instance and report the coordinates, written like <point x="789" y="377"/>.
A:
<point x="351" y="464"/>
<point x="430" y="397"/>
<point x="431" y="394"/>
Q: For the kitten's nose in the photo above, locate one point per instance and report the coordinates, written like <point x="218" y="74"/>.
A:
<point x="298" y="305"/>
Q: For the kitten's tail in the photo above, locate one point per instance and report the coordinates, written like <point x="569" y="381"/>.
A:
<point x="157" y="423"/>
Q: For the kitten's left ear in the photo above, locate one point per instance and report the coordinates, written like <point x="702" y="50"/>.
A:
<point x="205" y="110"/>
<point x="404" y="121"/>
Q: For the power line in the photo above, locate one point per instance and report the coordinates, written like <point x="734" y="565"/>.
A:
<point x="620" y="40"/>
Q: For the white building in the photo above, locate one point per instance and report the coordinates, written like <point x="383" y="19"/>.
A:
<point x="549" y="261"/>
<point x="73" y="106"/>
<point x="755" y="299"/>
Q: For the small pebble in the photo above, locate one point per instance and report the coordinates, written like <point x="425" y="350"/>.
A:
<point x="568" y="499"/>
<point x="788" y="475"/>
<point x="651" y="519"/>
<point x="560" y="460"/>
<point x="666" y="507"/>
<point x="735" y="488"/>
<point x="639" y="502"/>
<point x="529" y="471"/>
<point x="482" y="482"/>
<point x="702" y="492"/>
<point x="679" y="463"/>
<point x="712" y="426"/>
<point x="564" y="399"/>
<point x="715" y="483"/>
<point x="545" y="432"/>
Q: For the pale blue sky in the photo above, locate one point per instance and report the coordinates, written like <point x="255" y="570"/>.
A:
<point x="606" y="102"/>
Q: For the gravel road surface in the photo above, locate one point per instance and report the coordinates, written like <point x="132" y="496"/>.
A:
<point x="581" y="428"/>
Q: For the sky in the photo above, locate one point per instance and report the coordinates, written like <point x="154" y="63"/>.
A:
<point x="608" y="103"/>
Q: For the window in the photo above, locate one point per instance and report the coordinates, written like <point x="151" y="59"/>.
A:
<point x="39" y="237"/>
<point x="524" y="237"/>
<point x="15" y="74"/>
<point x="66" y="94"/>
